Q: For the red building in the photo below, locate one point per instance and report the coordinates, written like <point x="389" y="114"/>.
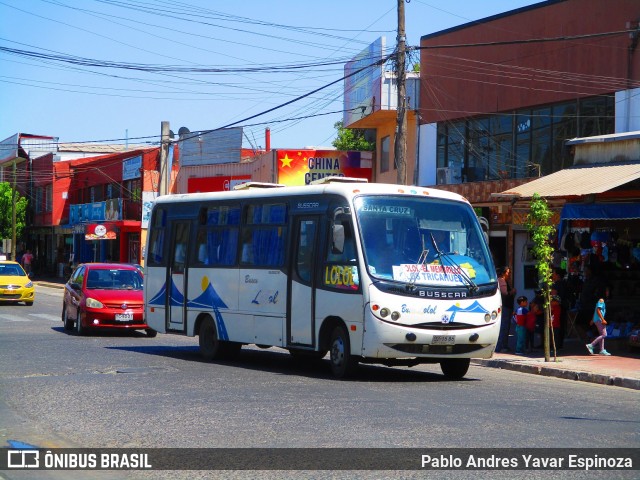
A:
<point x="70" y="198"/>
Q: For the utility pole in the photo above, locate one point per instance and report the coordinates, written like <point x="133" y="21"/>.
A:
<point x="13" y="214"/>
<point x="400" y="144"/>
<point x="165" y="168"/>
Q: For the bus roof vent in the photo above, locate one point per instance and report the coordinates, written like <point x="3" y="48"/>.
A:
<point x="248" y="185"/>
<point x="338" y="179"/>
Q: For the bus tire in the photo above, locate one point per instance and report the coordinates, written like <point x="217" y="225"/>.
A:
<point x="210" y="346"/>
<point x="455" y="368"/>
<point x="342" y="362"/>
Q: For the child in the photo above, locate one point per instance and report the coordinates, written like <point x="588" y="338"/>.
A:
<point x="601" y="325"/>
<point x="531" y="323"/>
<point x="521" y="329"/>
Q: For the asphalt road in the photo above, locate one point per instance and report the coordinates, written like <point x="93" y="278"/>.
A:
<point x="127" y="390"/>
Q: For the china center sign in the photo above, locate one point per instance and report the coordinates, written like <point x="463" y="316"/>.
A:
<point x="301" y="167"/>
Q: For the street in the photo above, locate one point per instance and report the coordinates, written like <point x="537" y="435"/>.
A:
<point x="127" y="390"/>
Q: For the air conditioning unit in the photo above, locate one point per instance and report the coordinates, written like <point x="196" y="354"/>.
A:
<point x="448" y="175"/>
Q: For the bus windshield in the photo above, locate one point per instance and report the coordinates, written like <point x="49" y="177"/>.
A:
<point x="423" y="241"/>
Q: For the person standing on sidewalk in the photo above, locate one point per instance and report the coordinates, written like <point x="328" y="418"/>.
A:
<point x="521" y="325"/>
<point x="508" y="294"/>
<point x="27" y="259"/>
<point x="601" y="325"/>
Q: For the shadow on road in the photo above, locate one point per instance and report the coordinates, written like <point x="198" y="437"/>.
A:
<point x="273" y="361"/>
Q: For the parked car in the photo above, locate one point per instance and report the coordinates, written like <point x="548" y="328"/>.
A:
<point x="15" y="284"/>
<point x="104" y="296"/>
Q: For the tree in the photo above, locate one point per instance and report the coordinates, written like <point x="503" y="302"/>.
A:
<point x="6" y="205"/>
<point x="351" y="139"/>
<point x="541" y="230"/>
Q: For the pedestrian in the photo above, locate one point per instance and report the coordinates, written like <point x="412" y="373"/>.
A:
<point x="530" y="324"/>
<point x="27" y="259"/>
<point x="593" y="288"/>
<point x="521" y="325"/>
<point x="601" y="324"/>
<point x="508" y="294"/>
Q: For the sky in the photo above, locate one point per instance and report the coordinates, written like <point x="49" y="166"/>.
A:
<point x="113" y="70"/>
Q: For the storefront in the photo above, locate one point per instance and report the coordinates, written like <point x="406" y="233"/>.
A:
<point x="597" y="214"/>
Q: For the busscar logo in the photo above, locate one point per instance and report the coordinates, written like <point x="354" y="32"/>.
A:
<point x="23" y="459"/>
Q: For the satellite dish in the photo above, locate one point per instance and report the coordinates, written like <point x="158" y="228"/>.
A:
<point x="183" y="131"/>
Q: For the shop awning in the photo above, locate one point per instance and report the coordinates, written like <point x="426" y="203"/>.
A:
<point x="600" y="211"/>
<point x="577" y="181"/>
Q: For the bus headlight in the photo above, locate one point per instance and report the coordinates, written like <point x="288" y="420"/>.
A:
<point x="490" y="317"/>
<point x="395" y="316"/>
<point x="384" y="312"/>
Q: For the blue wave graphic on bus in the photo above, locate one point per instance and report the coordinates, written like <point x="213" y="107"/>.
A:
<point x="208" y="298"/>
<point x="176" y="298"/>
<point x="475" y="307"/>
<point x="160" y="297"/>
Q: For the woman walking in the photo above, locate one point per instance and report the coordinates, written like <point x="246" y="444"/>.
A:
<point x="601" y="325"/>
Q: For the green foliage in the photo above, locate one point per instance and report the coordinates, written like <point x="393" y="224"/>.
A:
<point x="541" y="231"/>
<point x="6" y="205"/>
<point x="351" y="139"/>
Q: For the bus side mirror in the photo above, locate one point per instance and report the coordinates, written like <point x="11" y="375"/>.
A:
<point x="337" y="242"/>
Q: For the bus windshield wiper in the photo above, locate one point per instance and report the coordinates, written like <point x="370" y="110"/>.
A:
<point x="445" y="256"/>
<point x="421" y="261"/>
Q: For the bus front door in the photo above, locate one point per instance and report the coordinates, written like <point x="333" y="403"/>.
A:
<point x="302" y="283"/>
<point x="176" y="296"/>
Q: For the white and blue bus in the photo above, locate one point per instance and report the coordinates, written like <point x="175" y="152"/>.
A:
<point x="369" y="273"/>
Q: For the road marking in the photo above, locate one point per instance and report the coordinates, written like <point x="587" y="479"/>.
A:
<point x="46" y="316"/>
<point x="14" y="318"/>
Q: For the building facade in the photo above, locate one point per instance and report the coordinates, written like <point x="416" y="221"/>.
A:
<point x="501" y="98"/>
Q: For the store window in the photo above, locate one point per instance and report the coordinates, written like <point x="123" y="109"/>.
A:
<point x="522" y="161"/>
<point x="384" y="154"/>
<point x="541" y="153"/>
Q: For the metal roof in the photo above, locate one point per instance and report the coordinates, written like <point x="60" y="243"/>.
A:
<point x="577" y="181"/>
<point x="612" y="137"/>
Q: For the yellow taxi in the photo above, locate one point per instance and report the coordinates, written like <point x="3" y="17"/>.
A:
<point x="15" y="284"/>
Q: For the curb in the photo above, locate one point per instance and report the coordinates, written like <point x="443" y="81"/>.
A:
<point x="49" y="284"/>
<point x="599" y="378"/>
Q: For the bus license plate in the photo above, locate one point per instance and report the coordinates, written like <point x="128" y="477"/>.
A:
<point x="124" y="317"/>
<point x="443" y="340"/>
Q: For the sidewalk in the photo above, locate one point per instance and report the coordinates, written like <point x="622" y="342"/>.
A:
<point x="622" y="369"/>
<point x="54" y="282"/>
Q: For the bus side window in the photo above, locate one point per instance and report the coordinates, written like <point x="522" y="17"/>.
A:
<point x="348" y="254"/>
<point x="156" y="247"/>
<point x="155" y="255"/>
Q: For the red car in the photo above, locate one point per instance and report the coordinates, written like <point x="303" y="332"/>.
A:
<point x="104" y="296"/>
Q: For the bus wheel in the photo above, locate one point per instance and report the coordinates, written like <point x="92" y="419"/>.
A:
<point x="342" y="362"/>
<point x="210" y="346"/>
<point x="455" y="368"/>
